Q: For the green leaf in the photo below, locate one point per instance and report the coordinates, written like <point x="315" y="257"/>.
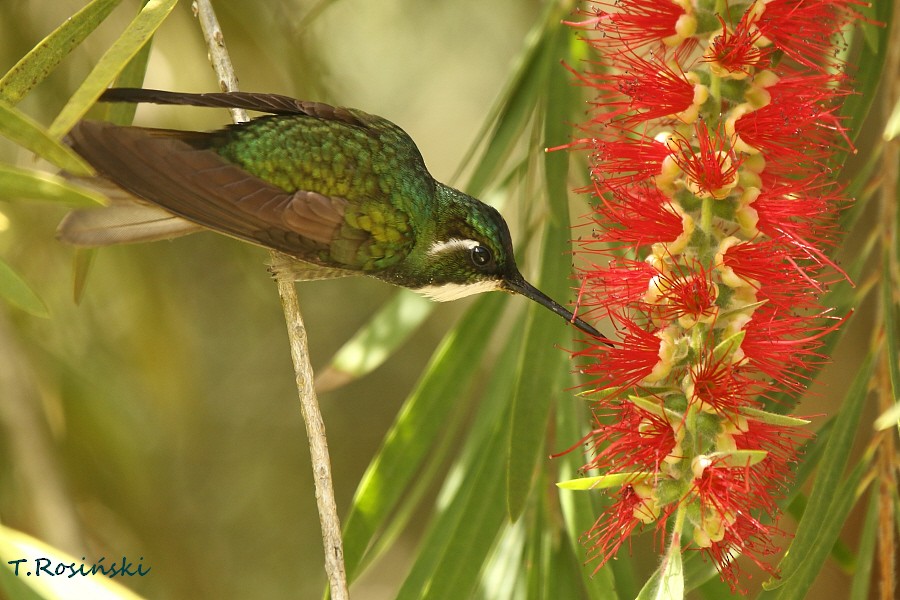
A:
<point x="738" y="458"/>
<point x="810" y="560"/>
<point x="34" y="67"/>
<point x="501" y="577"/>
<point x="15" y="545"/>
<point x="772" y="418"/>
<point x="892" y="127"/>
<point x="603" y="481"/>
<point x="828" y="480"/>
<point x="873" y="52"/>
<point x="21" y="129"/>
<point x="138" y="33"/>
<point x="37" y="185"/>
<point x="436" y="558"/>
<point x="17" y="292"/>
<point x="122" y="113"/>
<point x="728" y="345"/>
<point x="507" y="120"/>
<point x="377" y="340"/>
<point x="454" y="549"/>
<point x="865" y="558"/>
<point x="580" y="511"/>
<point x="541" y="366"/>
<point x="667" y="583"/>
<point x="82" y="262"/>
<point x="419" y="423"/>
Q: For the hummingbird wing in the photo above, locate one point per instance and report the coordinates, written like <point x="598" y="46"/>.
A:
<point x="177" y="171"/>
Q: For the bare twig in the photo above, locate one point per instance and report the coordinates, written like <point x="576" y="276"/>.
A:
<point x="309" y="405"/>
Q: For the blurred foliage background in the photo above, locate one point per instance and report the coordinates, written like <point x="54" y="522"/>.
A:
<point x="157" y="418"/>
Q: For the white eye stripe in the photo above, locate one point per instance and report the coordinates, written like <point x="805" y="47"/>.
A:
<point x="450" y="245"/>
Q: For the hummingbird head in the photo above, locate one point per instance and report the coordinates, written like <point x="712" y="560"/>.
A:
<point x="471" y="252"/>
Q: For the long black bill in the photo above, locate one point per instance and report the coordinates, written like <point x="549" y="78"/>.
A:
<point x="520" y="286"/>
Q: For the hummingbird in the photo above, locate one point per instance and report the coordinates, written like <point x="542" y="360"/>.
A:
<point x="335" y="191"/>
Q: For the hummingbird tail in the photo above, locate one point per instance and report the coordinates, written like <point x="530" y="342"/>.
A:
<point x="121" y="224"/>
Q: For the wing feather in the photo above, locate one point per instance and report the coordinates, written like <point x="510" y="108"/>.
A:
<point x="200" y="186"/>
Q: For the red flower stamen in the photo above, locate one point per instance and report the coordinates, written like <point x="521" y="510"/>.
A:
<point x="713" y="211"/>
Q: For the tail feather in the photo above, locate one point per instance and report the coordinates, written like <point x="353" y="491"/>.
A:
<point x="122" y="224"/>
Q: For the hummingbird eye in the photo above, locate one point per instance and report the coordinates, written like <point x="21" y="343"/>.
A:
<point x="481" y="256"/>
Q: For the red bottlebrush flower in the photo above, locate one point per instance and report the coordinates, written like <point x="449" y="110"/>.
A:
<point x="642" y="89"/>
<point x="780" y="443"/>
<point x="616" y="524"/>
<point x="636" y="23"/>
<point x="713" y="212"/>
<point x="748" y="537"/>
<point x="727" y="528"/>
<point x="735" y="54"/>
<point x="640" y="355"/>
<point x="777" y="274"/>
<point x="622" y="283"/>
<point x="783" y="346"/>
<point x="641" y="214"/>
<point x="716" y="386"/>
<point x="687" y="294"/>
<point x="805" y="31"/>
<point x="708" y="161"/>
<point x="802" y="213"/>
<point x="624" y="161"/>
<point x="791" y="129"/>
<point x="628" y="438"/>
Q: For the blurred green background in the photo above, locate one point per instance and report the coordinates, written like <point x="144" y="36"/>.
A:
<point x="168" y="393"/>
<point x="158" y="418"/>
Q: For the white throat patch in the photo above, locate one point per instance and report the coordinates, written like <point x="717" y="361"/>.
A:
<point x="455" y="291"/>
<point x="450" y="245"/>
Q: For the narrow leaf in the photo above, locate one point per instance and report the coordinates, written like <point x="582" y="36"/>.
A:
<point x="122" y="113"/>
<point x="738" y="458"/>
<point x="34" y="67"/>
<point x="772" y="418"/>
<point x="37" y="185"/>
<point x="603" y="481"/>
<point x="455" y="547"/>
<point x="83" y="260"/>
<point x="831" y="467"/>
<point x="873" y="52"/>
<point x="892" y="127"/>
<point x="539" y="378"/>
<point x="600" y="482"/>
<point x="375" y="342"/>
<point x="796" y="585"/>
<point x="580" y="511"/>
<point x="17" y="292"/>
<point x="420" y="421"/>
<point x="507" y="119"/>
<point x="138" y="33"/>
<point x="865" y="558"/>
<point x="21" y="129"/>
<point x="667" y="582"/>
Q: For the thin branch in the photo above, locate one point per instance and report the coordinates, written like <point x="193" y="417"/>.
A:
<point x="309" y="405"/>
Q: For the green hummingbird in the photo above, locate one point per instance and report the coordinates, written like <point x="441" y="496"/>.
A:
<point x="335" y="190"/>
